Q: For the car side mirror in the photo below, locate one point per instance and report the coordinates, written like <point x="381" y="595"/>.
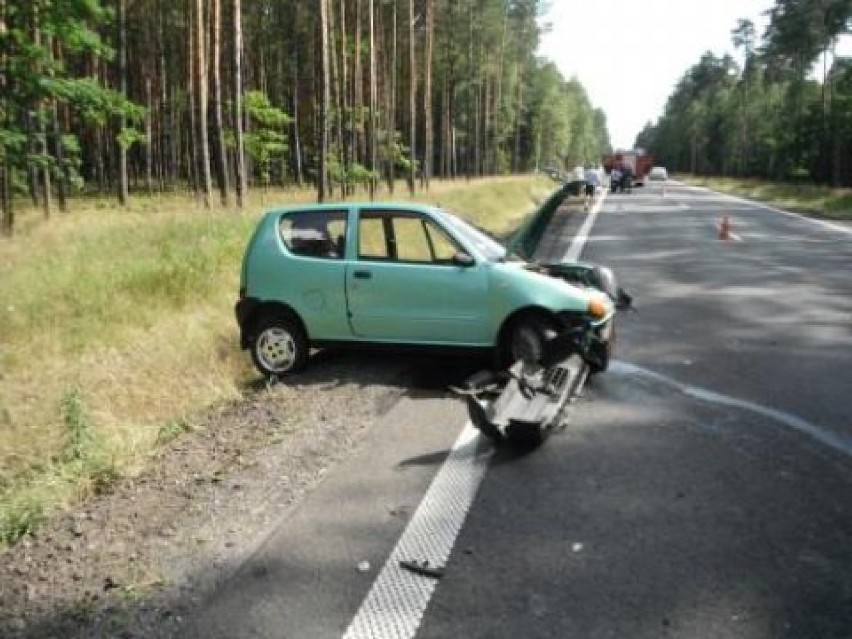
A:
<point x="463" y="259"/>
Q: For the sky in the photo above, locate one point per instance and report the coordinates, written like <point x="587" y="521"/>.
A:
<point x="630" y="54"/>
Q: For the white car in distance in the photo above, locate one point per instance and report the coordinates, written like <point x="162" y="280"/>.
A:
<point x="658" y="173"/>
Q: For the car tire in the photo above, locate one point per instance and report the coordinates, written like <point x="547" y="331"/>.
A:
<point x="526" y="338"/>
<point x="279" y="347"/>
<point x="524" y="436"/>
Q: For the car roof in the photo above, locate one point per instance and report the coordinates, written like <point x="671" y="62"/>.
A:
<point x="336" y="206"/>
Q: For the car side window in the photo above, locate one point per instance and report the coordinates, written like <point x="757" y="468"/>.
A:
<point x="319" y="234"/>
<point x="404" y="237"/>
<point x="412" y="243"/>
<point x="444" y="247"/>
<point x="372" y="238"/>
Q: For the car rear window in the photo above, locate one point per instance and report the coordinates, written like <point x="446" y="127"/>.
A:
<point x="319" y="234"/>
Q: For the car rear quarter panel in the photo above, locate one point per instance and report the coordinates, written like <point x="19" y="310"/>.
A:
<point x="316" y="294"/>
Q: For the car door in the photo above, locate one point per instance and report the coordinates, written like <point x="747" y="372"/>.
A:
<point x="405" y="285"/>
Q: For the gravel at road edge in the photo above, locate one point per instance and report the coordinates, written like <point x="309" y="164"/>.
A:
<point x="133" y="562"/>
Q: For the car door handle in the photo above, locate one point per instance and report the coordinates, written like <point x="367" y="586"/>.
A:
<point x="362" y="275"/>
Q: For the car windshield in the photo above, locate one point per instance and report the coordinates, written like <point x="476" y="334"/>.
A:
<point x="488" y="245"/>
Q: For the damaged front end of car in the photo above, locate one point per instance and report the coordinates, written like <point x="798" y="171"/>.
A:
<point x="521" y="404"/>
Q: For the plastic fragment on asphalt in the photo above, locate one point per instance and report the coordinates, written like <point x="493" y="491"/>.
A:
<point x="364" y="566"/>
<point x="422" y="568"/>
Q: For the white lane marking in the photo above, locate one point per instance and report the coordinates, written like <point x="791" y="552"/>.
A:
<point x="579" y="241"/>
<point x="823" y="223"/>
<point x="835" y="441"/>
<point x="394" y="607"/>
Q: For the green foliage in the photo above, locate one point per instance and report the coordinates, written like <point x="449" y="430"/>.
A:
<point x="37" y="84"/>
<point x="266" y="142"/>
<point x="78" y="447"/>
<point x="172" y="430"/>
<point x="393" y="150"/>
<point x="354" y="175"/>
<point x="20" y="518"/>
<point x="359" y="174"/>
<point x="82" y="455"/>
<point x="566" y="130"/>
<point x="128" y="136"/>
<point x="262" y="112"/>
<point x="769" y="119"/>
<point x="93" y="102"/>
<point x="72" y="160"/>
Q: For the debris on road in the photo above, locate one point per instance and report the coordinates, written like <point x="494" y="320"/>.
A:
<point x="423" y="568"/>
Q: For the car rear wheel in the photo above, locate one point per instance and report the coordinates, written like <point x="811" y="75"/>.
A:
<point x="279" y="347"/>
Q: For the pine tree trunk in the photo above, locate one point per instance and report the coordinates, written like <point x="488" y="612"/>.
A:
<point x="204" y="145"/>
<point x="519" y="115"/>
<point x="412" y="99"/>
<point x="240" y="152"/>
<point x="336" y="125"/>
<point x="392" y="107"/>
<point x="322" y="177"/>
<point x="294" y="126"/>
<point x="121" y="58"/>
<point x="345" y="118"/>
<point x="53" y="134"/>
<point x="221" y="159"/>
<point x="428" y="151"/>
<point x="7" y="215"/>
<point x="168" y="159"/>
<point x="192" y="135"/>
<point x="373" y="99"/>
<point x="472" y="142"/>
<point x="359" y="146"/>
<point x="498" y="98"/>
<point x="58" y="151"/>
<point x="149" y="136"/>
<point x="444" y="169"/>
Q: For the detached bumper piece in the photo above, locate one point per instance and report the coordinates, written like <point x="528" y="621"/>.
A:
<point x="521" y="406"/>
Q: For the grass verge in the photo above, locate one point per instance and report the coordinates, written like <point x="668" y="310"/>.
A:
<point x="116" y="327"/>
<point x="808" y="199"/>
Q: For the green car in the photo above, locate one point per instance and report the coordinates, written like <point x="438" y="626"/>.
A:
<point x="405" y="274"/>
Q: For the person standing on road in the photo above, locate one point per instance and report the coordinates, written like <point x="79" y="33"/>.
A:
<point x="615" y="179"/>
<point x="593" y="181"/>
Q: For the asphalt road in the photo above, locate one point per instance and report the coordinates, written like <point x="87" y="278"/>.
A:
<point x="701" y="489"/>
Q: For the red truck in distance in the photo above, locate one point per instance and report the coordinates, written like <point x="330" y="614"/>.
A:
<point x="638" y="160"/>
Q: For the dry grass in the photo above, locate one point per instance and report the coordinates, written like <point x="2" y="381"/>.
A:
<point x="115" y="325"/>
<point x="809" y="199"/>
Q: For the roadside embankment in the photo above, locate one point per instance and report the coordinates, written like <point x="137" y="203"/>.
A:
<point x="815" y="201"/>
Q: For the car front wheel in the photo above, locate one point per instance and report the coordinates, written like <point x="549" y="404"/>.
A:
<point x="279" y="347"/>
<point x="527" y="338"/>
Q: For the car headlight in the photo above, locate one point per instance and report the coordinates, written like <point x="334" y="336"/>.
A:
<point x="598" y="308"/>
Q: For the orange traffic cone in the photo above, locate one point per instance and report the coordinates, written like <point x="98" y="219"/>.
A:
<point x="725" y="228"/>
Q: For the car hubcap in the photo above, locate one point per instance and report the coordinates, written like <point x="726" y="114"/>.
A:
<point x="276" y="350"/>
